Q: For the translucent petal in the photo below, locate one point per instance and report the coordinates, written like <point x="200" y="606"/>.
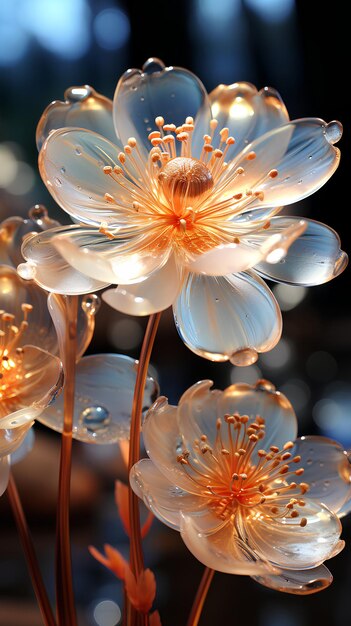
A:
<point x="71" y="164"/>
<point x="233" y="258"/>
<point x="171" y="92"/>
<point x="301" y="151"/>
<point x="14" y="291"/>
<point x="48" y="267"/>
<point x="162" y="438"/>
<point x="4" y="473"/>
<point x="14" y="428"/>
<point x="222" y="551"/>
<point x="83" y="107"/>
<point x="39" y="380"/>
<point x="98" y="418"/>
<point x="228" y="317"/>
<point x="314" y="258"/>
<point x="327" y="470"/>
<point x="14" y="229"/>
<point x="87" y="308"/>
<point x="154" y="294"/>
<point x="25" y="447"/>
<point x="117" y="261"/>
<point x="199" y="408"/>
<point x="162" y="497"/>
<point x="298" y="582"/>
<point x="286" y="544"/>
<point x="246" y="112"/>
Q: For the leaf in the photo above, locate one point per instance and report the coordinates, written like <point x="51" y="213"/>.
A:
<point x="141" y="591"/>
<point x="113" y="560"/>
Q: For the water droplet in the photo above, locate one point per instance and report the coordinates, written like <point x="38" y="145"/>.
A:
<point x="95" y="418"/>
<point x="63" y="170"/>
<point x="149" y="129"/>
<point x="326" y="483"/>
<point x="300" y="181"/>
<point x="78" y="151"/>
<point x="79" y="188"/>
<point x="265" y="385"/>
<point x="38" y="212"/>
<point x="153" y="64"/>
<point x="310" y="156"/>
<point x="216" y="299"/>
<point x="321" y="464"/>
<point x="146" y="120"/>
<point x="78" y="94"/>
<point x="134" y="88"/>
<point x="286" y="179"/>
<point x="172" y="95"/>
<point x="333" y="132"/>
<point x="91" y="303"/>
<point x="57" y="182"/>
<point x="244" y="357"/>
<point x="142" y="99"/>
<point x="26" y="271"/>
<point x="309" y="462"/>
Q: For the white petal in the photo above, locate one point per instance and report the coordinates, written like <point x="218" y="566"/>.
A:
<point x="50" y="270"/>
<point x="222" y="551"/>
<point x="298" y="582"/>
<point x="171" y="92"/>
<point x="162" y="497"/>
<point x="124" y="262"/>
<point x="154" y="294"/>
<point x="229" y="317"/>
<point x="286" y="544"/>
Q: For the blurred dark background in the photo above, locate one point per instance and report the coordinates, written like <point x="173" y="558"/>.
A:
<point x="48" y="45"/>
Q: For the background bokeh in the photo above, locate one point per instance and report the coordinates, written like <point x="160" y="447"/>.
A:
<point x="48" y="45"/>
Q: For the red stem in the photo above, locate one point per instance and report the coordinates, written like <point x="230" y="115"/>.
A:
<point x="29" y="552"/>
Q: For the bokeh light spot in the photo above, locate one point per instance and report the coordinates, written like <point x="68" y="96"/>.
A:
<point x="111" y="29"/>
<point x="107" y="613"/>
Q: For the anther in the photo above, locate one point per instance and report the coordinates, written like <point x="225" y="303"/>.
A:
<point x="303" y="522"/>
<point x="132" y="142"/>
<point x="274" y="449"/>
<point x="224" y="134"/>
<point x="127" y="149"/>
<point x="294" y="514"/>
<point x="168" y="128"/>
<point x="213" y="124"/>
<point x="107" y="169"/>
<point x="299" y="471"/>
<point x="159" y="121"/>
<point x="117" y="170"/>
<point x="189" y="120"/>
<point x="154" y="135"/>
<point x="296" y="459"/>
<point x="122" y="158"/>
<point x="238" y="196"/>
<point x="109" y="198"/>
<point x="239" y="170"/>
<point x="266" y="225"/>
<point x="251" y="156"/>
<point x="273" y="173"/>
<point x="288" y="445"/>
<point x="230" y="141"/>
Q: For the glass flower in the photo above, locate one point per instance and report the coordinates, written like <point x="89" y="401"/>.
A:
<point x="227" y="471"/>
<point x="30" y="375"/>
<point x="177" y="195"/>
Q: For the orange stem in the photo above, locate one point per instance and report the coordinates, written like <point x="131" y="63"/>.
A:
<point x="200" y="597"/>
<point x="29" y="552"/>
<point x="136" y="552"/>
<point x="66" y="612"/>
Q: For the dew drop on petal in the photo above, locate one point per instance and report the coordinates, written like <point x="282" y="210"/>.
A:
<point x="38" y="212"/>
<point x="265" y="385"/>
<point x="63" y="170"/>
<point x="153" y="65"/>
<point x="244" y="357"/>
<point x="26" y="271"/>
<point x="95" y="418"/>
<point x="91" y="303"/>
<point x="333" y="132"/>
<point x="57" y="181"/>
<point x="78" y="94"/>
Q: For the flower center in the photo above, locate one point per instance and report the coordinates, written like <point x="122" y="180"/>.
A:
<point x="11" y="355"/>
<point x="184" y="177"/>
<point x="233" y="472"/>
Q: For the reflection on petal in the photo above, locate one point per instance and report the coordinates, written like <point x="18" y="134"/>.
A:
<point x="124" y="262"/>
<point x="4" y="473"/>
<point x="71" y="164"/>
<point x="303" y="154"/>
<point x="152" y="295"/>
<point x="162" y="497"/>
<point x="314" y="258"/>
<point x="327" y="470"/>
<point x="98" y="418"/>
<point x="199" y="407"/>
<point x="171" y="92"/>
<point x="247" y="113"/>
<point x="48" y="267"/>
<point x="222" y="550"/>
<point x="227" y="317"/>
<point x="288" y="545"/>
<point x="83" y="108"/>
<point x="88" y="307"/>
<point x="14" y="428"/>
<point x="298" y="582"/>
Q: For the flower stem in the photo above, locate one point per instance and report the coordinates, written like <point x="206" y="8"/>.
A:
<point x="200" y="597"/>
<point x="29" y="552"/>
<point x="136" y="553"/>
<point x="66" y="612"/>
